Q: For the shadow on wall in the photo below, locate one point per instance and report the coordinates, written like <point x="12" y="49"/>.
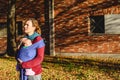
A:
<point x="71" y="20"/>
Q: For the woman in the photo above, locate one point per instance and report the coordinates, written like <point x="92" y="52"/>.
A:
<point x="32" y="31"/>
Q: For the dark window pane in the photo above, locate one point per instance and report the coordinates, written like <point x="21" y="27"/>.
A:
<point x="97" y="24"/>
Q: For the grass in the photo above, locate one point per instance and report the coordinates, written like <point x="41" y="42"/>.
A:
<point x="62" y="68"/>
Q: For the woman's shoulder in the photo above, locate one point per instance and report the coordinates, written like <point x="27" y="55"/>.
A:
<point x="36" y="39"/>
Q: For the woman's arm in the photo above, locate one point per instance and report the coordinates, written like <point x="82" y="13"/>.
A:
<point x="38" y="59"/>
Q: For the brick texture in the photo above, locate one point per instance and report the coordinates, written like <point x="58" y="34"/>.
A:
<point x="72" y="26"/>
<point x="71" y="20"/>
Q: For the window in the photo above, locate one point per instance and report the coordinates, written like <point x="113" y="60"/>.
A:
<point x="107" y="24"/>
<point x="3" y="28"/>
<point x="97" y="24"/>
<point x="19" y="30"/>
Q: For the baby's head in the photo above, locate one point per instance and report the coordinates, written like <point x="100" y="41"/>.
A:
<point x="26" y="42"/>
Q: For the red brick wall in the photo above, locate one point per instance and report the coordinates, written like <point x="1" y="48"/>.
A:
<point x="72" y="23"/>
<point x="72" y="26"/>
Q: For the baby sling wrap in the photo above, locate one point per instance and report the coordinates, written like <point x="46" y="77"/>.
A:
<point x="28" y="53"/>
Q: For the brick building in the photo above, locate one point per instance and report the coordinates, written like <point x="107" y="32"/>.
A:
<point x="73" y="24"/>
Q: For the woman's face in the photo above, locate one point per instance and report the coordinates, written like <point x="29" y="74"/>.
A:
<point x="28" y="27"/>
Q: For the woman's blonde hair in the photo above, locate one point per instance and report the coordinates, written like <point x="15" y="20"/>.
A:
<point x="35" y="24"/>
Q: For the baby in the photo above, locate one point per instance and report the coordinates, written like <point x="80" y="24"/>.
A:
<point x="26" y="43"/>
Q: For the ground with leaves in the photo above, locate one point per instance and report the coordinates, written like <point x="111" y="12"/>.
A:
<point x="62" y="68"/>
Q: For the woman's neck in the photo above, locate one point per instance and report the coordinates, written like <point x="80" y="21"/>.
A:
<point x="29" y="34"/>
